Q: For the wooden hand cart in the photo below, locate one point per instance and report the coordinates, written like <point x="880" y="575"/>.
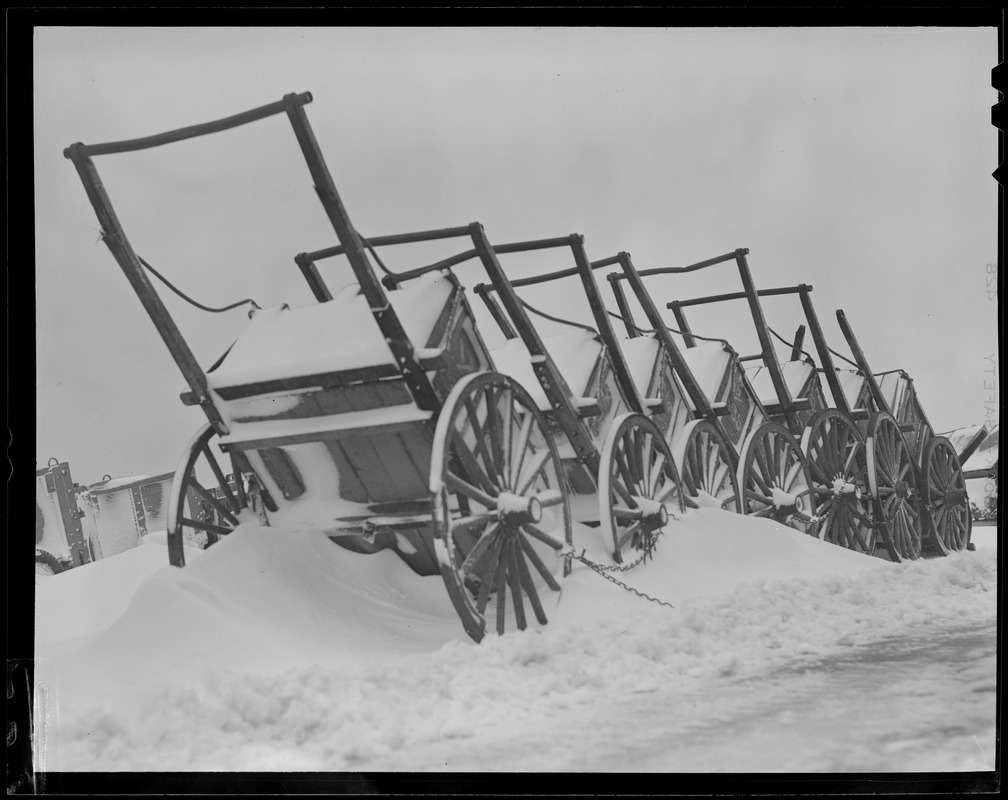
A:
<point x="377" y="417"/>
<point x="881" y="474"/>
<point x="772" y="473"/>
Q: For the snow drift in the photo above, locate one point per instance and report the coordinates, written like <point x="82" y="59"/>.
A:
<point x="277" y="650"/>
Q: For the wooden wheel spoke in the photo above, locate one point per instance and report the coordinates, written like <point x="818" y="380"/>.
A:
<point x="767" y="461"/>
<point x="487" y="583"/>
<point x="528" y="585"/>
<point x="713" y="462"/>
<point x="501" y="588"/>
<point x="213" y="501"/>
<point x="692" y="464"/>
<point x="520" y="449"/>
<point x="496" y="435"/>
<point x="533" y="556"/>
<point x="625" y="473"/>
<point x="852" y="459"/>
<point x="205" y="526"/>
<point x="622" y="492"/>
<point x="904" y="469"/>
<point x="470" y="464"/>
<point x="940" y="518"/>
<point x="221" y="480"/>
<point x="476" y="550"/>
<point x="722" y="480"/>
<point x="668" y="490"/>
<point x="760" y="498"/>
<point x="508" y="441"/>
<point x="514" y="583"/>
<point x="819" y="474"/>
<point x="760" y="478"/>
<point x="627" y="533"/>
<point x="489" y="465"/>
<point x="658" y="474"/>
<point x="856" y="531"/>
<point x="945" y="465"/>
<point x="468" y="523"/>
<point x="529" y="475"/>
<point x="463" y="487"/>
<point x="788" y="481"/>
<point x="543" y="537"/>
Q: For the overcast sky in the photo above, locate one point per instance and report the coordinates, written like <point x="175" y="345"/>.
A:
<point x="857" y="160"/>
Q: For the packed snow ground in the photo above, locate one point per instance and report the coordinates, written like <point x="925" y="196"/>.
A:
<point x="279" y="651"/>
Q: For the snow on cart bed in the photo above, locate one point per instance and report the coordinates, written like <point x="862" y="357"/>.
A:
<point x="575" y="355"/>
<point x="796" y="375"/>
<point x="284" y="342"/>
<point x="640" y="354"/>
<point x="708" y="362"/>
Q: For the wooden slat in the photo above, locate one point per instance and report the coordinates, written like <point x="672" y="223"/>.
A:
<point x="363" y="431"/>
<point x="351" y="487"/>
<point x="322" y="380"/>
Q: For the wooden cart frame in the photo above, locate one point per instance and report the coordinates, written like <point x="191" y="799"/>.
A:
<point x="451" y="464"/>
<point x="772" y="473"/>
<point x="881" y="474"/>
<point x="617" y="455"/>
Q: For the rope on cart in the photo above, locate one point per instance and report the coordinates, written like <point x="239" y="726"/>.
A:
<point x="544" y="315"/>
<point x="625" y="321"/>
<point x="844" y="358"/>
<point x="188" y="299"/>
<point x="791" y="345"/>
<point x="381" y="264"/>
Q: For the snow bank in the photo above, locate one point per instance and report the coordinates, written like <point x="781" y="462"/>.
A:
<point x="278" y="650"/>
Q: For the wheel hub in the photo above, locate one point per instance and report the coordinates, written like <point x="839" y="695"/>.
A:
<point x="654" y="515"/>
<point x="955" y="497"/>
<point x="843" y="488"/>
<point x="902" y="489"/>
<point x="514" y="510"/>
<point x="785" y="500"/>
<point x="651" y="514"/>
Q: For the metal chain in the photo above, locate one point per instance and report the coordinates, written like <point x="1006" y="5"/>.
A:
<point x="605" y="571"/>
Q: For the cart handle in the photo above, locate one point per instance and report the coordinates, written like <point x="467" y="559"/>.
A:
<point x="395" y="279"/>
<point x="128" y="145"/>
<point x="710" y="262"/>
<point x="549" y="276"/>
<point x="717" y="298"/>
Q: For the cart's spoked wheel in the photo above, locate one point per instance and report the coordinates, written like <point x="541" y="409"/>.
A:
<point x="705" y="468"/>
<point x="46" y="564"/>
<point x="835" y="451"/>
<point x="501" y="512"/>
<point x="775" y="479"/>
<point x="943" y="494"/>
<point x="197" y="512"/>
<point x="639" y="487"/>
<point x="892" y="478"/>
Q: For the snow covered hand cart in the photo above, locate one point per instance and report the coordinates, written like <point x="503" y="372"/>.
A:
<point x="880" y="474"/>
<point x="765" y="463"/>
<point x="615" y="461"/>
<point x="377" y="417"/>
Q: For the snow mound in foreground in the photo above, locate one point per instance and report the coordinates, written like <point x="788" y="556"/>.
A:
<point x="281" y="651"/>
